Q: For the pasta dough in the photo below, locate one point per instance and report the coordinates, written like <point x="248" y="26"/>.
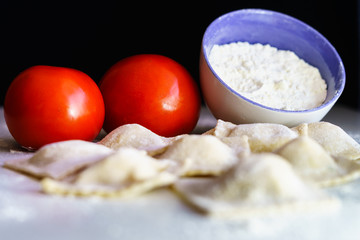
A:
<point x="261" y="184"/>
<point x="332" y="138"/>
<point x="200" y="155"/>
<point x="241" y="171"/>
<point x="136" y="136"/>
<point x="313" y="163"/>
<point x="262" y="137"/>
<point x="126" y="173"/>
<point x="58" y="160"/>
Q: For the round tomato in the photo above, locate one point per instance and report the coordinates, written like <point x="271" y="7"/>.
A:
<point x="46" y="104"/>
<point x="153" y="91"/>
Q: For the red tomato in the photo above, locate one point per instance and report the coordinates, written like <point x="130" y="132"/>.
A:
<point x="46" y="104"/>
<point x="151" y="90"/>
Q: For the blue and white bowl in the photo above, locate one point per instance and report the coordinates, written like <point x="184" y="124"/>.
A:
<point x="283" y="32"/>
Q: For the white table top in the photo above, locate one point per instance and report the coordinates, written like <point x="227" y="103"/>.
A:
<point x="26" y="213"/>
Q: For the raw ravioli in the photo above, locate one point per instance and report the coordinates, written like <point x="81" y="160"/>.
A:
<point x="240" y="144"/>
<point x="314" y="163"/>
<point x="200" y="155"/>
<point x="126" y="173"/>
<point x="61" y="159"/>
<point x="332" y="138"/>
<point x="262" y="137"/>
<point x="136" y="136"/>
<point x="260" y="185"/>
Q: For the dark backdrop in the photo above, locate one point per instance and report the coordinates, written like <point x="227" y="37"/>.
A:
<point x="91" y="36"/>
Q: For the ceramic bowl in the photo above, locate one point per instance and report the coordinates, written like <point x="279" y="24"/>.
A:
<point x="280" y="31"/>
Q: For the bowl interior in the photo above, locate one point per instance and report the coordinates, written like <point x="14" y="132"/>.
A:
<point x="283" y="32"/>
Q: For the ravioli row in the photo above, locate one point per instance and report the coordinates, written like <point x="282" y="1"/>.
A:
<point x="231" y="170"/>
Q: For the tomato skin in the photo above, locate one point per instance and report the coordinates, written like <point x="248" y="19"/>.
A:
<point x="46" y="104"/>
<point x="152" y="90"/>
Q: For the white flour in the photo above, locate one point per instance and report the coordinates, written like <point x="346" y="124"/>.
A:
<point x="266" y="75"/>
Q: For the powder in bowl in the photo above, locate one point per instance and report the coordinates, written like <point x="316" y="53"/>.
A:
<point x="269" y="76"/>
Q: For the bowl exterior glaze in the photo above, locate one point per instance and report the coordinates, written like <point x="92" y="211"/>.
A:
<point x="280" y="31"/>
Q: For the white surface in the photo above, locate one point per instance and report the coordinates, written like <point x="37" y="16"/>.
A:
<point x="26" y="213"/>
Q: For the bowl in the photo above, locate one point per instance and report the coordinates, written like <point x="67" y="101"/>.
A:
<point x="283" y="32"/>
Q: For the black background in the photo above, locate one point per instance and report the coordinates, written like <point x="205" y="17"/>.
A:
<point x="92" y="36"/>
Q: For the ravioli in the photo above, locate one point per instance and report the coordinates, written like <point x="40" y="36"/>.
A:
<point x="314" y="163"/>
<point x="200" y="155"/>
<point x="260" y="185"/>
<point x="240" y="144"/>
<point x="126" y="173"/>
<point x="332" y="138"/>
<point x="61" y="159"/>
<point x="222" y="129"/>
<point x="262" y="137"/>
<point x="239" y="171"/>
<point x="136" y="136"/>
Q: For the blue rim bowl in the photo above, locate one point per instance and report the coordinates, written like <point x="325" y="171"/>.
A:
<point x="283" y="32"/>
